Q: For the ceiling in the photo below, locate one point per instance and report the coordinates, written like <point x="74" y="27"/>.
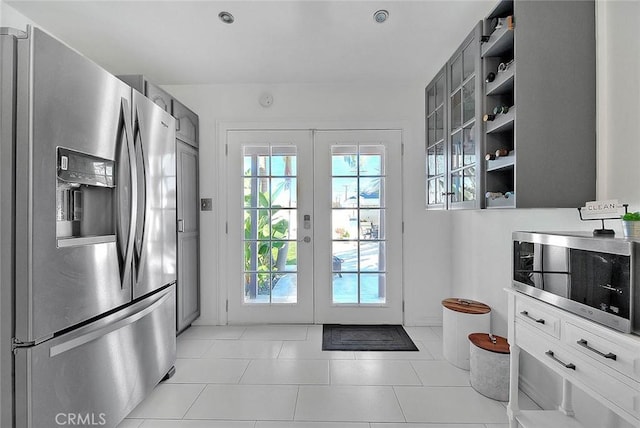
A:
<point x="272" y="42"/>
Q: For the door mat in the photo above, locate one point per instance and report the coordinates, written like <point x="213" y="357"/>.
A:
<point x="339" y="337"/>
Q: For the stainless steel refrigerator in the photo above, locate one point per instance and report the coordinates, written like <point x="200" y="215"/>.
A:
<point x="88" y="228"/>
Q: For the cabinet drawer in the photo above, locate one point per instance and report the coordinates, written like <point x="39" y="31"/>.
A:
<point x="577" y="369"/>
<point x="625" y="359"/>
<point x="186" y="123"/>
<point x="536" y="316"/>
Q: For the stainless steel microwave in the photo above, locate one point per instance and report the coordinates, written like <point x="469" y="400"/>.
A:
<point x="594" y="277"/>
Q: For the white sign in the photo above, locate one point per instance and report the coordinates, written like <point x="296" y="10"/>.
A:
<point x="602" y="209"/>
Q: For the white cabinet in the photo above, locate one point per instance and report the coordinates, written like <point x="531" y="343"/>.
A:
<point x="602" y="362"/>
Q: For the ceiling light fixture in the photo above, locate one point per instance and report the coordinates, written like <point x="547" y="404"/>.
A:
<point x="226" y="17"/>
<point x="380" y="16"/>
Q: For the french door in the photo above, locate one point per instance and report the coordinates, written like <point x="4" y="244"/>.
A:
<point x="358" y="246"/>
<point x="314" y="226"/>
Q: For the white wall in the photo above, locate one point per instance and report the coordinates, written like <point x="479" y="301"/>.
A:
<point x="426" y="267"/>
<point x="9" y="17"/>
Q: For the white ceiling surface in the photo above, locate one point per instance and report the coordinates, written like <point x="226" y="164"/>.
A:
<point x="272" y="42"/>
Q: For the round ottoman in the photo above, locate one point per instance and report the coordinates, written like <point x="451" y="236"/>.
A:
<point x="460" y="318"/>
<point x="489" y="362"/>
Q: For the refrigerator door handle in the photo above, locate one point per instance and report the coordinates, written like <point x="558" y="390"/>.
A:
<point x="98" y="332"/>
<point x="127" y="209"/>
<point x="141" y="217"/>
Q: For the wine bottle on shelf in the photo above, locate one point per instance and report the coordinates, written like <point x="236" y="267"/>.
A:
<point x="494" y="195"/>
<point x="490" y="156"/>
<point x="502" y="152"/>
<point x="504" y="66"/>
<point x="490" y="77"/>
<point x="500" y="110"/>
<point x="488" y="117"/>
<point x="498" y="195"/>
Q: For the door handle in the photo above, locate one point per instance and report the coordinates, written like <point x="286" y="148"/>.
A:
<point x="551" y="355"/>
<point x="608" y="355"/>
<point x="180" y="225"/>
<point x="102" y="331"/>
<point x="141" y="189"/>
<point x="306" y="239"/>
<point x="127" y="245"/>
<point x="526" y="314"/>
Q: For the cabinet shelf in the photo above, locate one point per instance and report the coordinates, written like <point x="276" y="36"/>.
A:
<point x="501" y="203"/>
<point x="503" y="82"/>
<point x="503" y="122"/>
<point x="500" y="42"/>
<point x="502" y="162"/>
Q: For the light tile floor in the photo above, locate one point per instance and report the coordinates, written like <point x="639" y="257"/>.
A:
<point x="279" y="377"/>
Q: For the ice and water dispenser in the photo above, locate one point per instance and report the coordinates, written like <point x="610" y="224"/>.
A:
<point x="84" y="196"/>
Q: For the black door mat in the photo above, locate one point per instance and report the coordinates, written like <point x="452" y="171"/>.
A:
<point x="339" y="337"/>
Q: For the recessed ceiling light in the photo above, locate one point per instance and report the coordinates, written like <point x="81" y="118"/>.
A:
<point x="226" y="17"/>
<point x="380" y="16"/>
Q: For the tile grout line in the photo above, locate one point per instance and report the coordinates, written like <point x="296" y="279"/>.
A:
<point x="244" y="371"/>
<point x="295" y="406"/>
<point x="194" y="401"/>
<point x="415" y="371"/>
<point x="395" y="394"/>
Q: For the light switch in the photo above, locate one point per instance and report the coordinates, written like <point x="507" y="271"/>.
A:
<point x="206" y="204"/>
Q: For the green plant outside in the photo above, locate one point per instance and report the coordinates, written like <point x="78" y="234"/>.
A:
<point x="268" y="238"/>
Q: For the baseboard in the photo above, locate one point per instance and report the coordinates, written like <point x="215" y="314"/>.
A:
<point x="424" y="322"/>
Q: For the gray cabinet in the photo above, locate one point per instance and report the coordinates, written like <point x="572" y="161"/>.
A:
<point x="453" y="106"/>
<point x="186" y="123"/>
<point x="539" y="104"/>
<point x="156" y="94"/>
<point x="188" y="298"/>
<point x="187" y="194"/>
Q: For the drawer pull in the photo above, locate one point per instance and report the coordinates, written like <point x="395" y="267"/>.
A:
<point x="526" y="314"/>
<point x="585" y="344"/>
<point x="553" y="357"/>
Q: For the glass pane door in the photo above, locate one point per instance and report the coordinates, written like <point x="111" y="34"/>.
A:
<point x="270" y="224"/>
<point x="358" y="227"/>
<point x="270" y="250"/>
<point x="358" y="224"/>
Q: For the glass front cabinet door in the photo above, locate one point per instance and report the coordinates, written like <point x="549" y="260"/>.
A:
<point x="453" y="136"/>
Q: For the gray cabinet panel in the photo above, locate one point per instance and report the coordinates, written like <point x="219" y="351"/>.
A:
<point x="549" y="128"/>
<point x="154" y="93"/>
<point x="186" y="123"/>
<point x="158" y="96"/>
<point x="188" y="236"/>
<point x="188" y="290"/>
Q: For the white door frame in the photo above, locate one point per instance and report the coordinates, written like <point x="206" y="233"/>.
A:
<point x="222" y="128"/>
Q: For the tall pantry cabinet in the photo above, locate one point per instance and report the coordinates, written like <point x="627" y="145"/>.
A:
<point x="187" y="195"/>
